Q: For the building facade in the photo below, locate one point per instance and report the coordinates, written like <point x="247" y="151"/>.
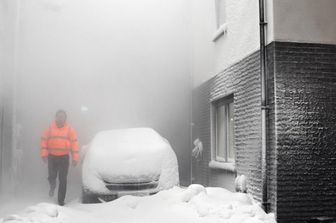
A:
<point x="301" y="75"/>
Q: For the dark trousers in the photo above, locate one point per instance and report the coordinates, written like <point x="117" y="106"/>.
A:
<point x="58" y="165"/>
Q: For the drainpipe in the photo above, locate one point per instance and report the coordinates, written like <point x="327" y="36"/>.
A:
<point x="264" y="104"/>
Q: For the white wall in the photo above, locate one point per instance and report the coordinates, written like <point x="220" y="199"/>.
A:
<point x="305" y="21"/>
<point x="127" y="61"/>
<point x="296" y="21"/>
<point x="242" y="37"/>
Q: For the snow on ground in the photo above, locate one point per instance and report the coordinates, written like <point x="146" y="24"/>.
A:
<point x="194" y="204"/>
<point x="30" y="193"/>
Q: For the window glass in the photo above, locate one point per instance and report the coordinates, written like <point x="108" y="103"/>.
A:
<point x="221" y="133"/>
<point x="220" y="12"/>
<point x="224" y="130"/>
<point x="231" y="151"/>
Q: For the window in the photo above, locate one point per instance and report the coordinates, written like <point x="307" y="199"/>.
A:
<point x="220" y="13"/>
<point x="221" y="24"/>
<point x="223" y="130"/>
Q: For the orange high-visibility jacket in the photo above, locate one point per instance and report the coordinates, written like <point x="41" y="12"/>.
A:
<point x="59" y="141"/>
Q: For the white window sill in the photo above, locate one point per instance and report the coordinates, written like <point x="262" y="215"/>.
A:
<point x="219" y="32"/>
<point x="222" y="165"/>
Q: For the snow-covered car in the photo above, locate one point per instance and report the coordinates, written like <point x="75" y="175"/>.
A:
<point x="136" y="161"/>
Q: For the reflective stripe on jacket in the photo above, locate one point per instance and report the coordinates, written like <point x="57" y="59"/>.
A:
<point x="59" y="141"/>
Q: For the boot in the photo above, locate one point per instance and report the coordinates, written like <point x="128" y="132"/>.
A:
<point x="51" y="192"/>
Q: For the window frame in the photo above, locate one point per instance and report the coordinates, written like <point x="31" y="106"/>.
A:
<point x="215" y="105"/>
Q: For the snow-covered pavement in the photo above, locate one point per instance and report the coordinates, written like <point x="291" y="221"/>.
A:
<point x="193" y="204"/>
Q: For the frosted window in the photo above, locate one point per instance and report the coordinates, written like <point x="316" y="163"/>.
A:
<point x="220" y="12"/>
<point x="224" y="130"/>
<point x="231" y="151"/>
<point x="221" y="132"/>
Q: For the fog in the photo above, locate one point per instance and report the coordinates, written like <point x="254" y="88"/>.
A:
<point x="109" y="64"/>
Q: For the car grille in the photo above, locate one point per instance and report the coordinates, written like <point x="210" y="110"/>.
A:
<point x="132" y="186"/>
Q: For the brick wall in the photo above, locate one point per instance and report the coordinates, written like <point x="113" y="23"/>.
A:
<point x="272" y="136"/>
<point x="302" y="127"/>
<point x="305" y="95"/>
<point x="243" y="80"/>
<point x="201" y="130"/>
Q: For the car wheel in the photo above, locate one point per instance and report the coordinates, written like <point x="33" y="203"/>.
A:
<point x="88" y="197"/>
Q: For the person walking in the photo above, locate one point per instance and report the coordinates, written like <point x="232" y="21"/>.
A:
<point x="58" y="141"/>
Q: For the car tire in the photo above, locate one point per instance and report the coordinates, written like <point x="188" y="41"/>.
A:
<point x="88" y="197"/>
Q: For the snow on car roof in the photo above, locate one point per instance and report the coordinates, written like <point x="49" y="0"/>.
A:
<point x="126" y="155"/>
<point x="130" y="137"/>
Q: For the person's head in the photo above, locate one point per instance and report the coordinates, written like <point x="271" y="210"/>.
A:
<point x="60" y="118"/>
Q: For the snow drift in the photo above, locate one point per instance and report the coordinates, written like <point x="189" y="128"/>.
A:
<point x="194" y="204"/>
